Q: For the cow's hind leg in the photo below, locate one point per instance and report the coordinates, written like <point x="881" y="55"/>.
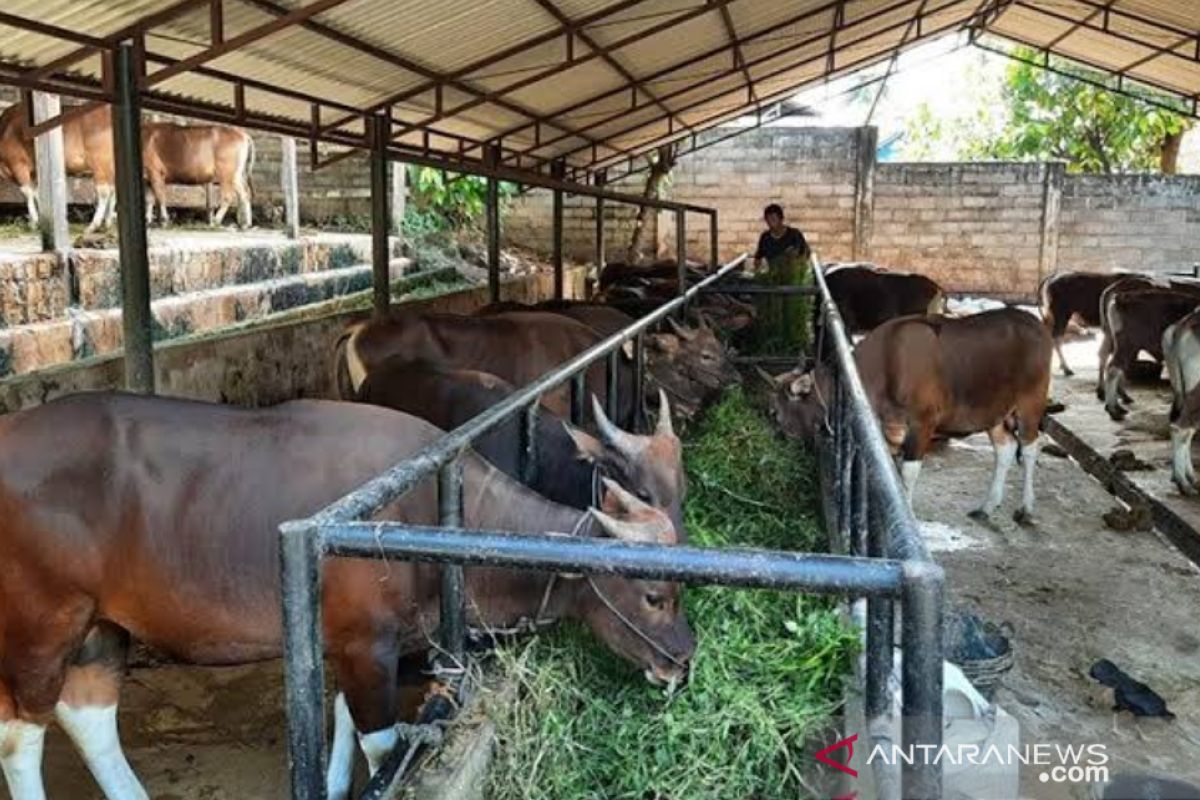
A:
<point x="1062" y="359"/>
<point x="105" y="204"/>
<point x="31" y="204"/>
<point x="1004" y="445"/>
<point x="87" y="711"/>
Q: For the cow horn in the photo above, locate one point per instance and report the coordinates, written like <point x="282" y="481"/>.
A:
<point x="767" y="377"/>
<point x="664" y="427"/>
<point x="625" y="531"/>
<point x="609" y="432"/>
<point x="680" y="331"/>
<point x="703" y="320"/>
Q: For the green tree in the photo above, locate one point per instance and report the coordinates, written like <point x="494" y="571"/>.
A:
<point x="1055" y="116"/>
<point x="448" y="200"/>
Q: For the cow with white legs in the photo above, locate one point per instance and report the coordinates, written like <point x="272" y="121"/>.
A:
<point x="938" y="376"/>
<point x="161" y="520"/>
<point x="197" y="155"/>
<point x="1181" y="351"/>
<point x="87" y="150"/>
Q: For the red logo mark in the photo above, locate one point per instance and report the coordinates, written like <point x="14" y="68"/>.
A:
<point x="843" y="766"/>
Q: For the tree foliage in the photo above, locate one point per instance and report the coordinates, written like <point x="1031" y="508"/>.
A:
<point x="1062" y="115"/>
<point x="450" y="201"/>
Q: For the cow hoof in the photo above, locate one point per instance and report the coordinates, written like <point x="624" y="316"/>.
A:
<point x="1023" y="517"/>
<point x="1117" y="414"/>
<point x="1100" y="395"/>
<point x="1067" y="371"/>
<point x="1186" y="488"/>
<point x="979" y="515"/>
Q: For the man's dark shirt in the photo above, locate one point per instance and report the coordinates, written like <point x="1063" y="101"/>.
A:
<point x="769" y="247"/>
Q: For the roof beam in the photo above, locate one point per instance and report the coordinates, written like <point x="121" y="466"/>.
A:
<point x="739" y="58"/>
<point x="1057" y="40"/>
<point x="392" y="58"/>
<point x="580" y="59"/>
<point x="294" y="17"/>
<point x="611" y="60"/>
<point x="495" y="58"/>
<point x="691" y="86"/>
<point x="847" y="27"/>
<point x="792" y="88"/>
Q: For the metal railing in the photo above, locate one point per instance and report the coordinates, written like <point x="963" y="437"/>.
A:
<point x="872" y="518"/>
<point x="339" y="530"/>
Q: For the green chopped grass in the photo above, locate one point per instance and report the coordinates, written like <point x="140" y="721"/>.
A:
<point x="767" y="675"/>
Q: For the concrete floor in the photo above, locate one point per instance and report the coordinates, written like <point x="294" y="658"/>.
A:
<point x="1076" y="592"/>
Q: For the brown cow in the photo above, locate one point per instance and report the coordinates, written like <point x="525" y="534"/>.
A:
<point x="867" y="296"/>
<point x="171" y="153"/>
<point x="941" y="376"/>
<point x="161" y="521"/>
<point x="87" y="150"/>
<point x="1181" y="351"/>
<point x="519" y="347"/>
<point x="1073" y="294"/>
<point x="1135" y="321"/>
<point x="197" y="155"/>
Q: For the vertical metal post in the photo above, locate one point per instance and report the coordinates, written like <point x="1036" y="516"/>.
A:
<point x="845" y="466"/>
<point x="290" y="184"/>
<point x="558" y="171"/>
<point x="300" y="554"/>
<point x="881" y="635"/>
<point x="714" y="242"/>
<point x="681" y="252"/>
<point x="528" y="456"/>
<point x="612" y="366"/>
<point x="578" y="392"/>
<point x="453" y="602"/>
<point x="639" y="383"/>
<point x="922" y="677"/>
<point x="491" y="157"/>
<point x="601" y="180"/>
<point x="136" y="318"/>
<point x="381" y="257"/>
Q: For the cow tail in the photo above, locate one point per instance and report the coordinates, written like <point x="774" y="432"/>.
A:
<point x="343" y="382"/>
<point x="250" y="167"/>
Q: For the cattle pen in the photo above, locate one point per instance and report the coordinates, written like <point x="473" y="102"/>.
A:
<point x="886" y="562"/>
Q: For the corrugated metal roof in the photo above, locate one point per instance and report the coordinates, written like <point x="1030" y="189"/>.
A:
<point x="591" y="82"/>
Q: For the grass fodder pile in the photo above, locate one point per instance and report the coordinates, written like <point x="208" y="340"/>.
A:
<point x="767" y="674"/>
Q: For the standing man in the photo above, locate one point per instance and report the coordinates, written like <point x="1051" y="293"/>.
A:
<point x="778" y="239"/>
<point x="783" y="320"/>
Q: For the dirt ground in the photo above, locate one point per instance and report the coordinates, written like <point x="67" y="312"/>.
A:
<point x="1076" y="592"/>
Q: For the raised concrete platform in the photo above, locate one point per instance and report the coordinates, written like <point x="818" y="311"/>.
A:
<point x="53" y="311"/>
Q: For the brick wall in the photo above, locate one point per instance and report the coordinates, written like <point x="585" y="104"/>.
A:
<point x="811" y="172"/>
<point x="977" y="226"/>
<point x="1142" y="222"/>
<point x="527" y="221"/>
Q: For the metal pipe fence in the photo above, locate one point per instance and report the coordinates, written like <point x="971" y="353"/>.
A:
<point x="888" y="565"/>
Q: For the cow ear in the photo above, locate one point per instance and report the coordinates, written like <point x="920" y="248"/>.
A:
<point x="587" y="447"/>
<point x="801" y="386"/>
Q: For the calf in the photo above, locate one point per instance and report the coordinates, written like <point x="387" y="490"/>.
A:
<point x="1135" y="321"/>
<point x="1181" y="351"/>
<point x="941" y="376"/>
<point x="1073" y="294"/>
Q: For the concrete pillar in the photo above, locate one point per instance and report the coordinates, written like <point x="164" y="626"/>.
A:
<point x="51" y="177"/>
<point x="1055" y="175"/>
<point x="290" y="183"/>
<point x="864" y="191"/>
<point x="136" y="319"/>
<point x="399" y="196"/>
